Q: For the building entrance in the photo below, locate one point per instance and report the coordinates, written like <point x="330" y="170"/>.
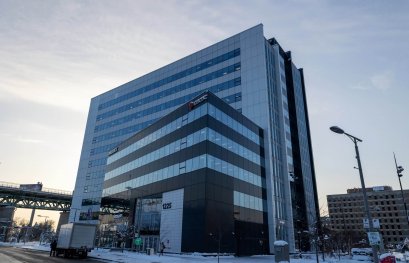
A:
<point x="147" y="222"/>
<point x="150" y="242"/>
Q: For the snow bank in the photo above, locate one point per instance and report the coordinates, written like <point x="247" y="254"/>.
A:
<point x="280" y="243"/>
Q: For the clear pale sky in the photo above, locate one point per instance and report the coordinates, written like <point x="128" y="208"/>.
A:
<point x="56" y="55"/>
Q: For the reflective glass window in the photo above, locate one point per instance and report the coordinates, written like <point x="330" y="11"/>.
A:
<point x="172" y="78"/>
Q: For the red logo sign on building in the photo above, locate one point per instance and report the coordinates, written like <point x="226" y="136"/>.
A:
<point x="194" y="103"/>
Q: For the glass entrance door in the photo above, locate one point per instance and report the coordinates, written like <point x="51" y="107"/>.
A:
<point x="150" y="242"/>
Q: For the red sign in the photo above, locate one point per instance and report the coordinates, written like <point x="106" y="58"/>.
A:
<point x="194" y="103"/>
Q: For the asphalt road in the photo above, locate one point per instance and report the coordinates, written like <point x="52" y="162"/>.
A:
<point x="21" y="255"/>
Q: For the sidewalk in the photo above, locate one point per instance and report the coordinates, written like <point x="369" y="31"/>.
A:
<point x="132" y="257"/>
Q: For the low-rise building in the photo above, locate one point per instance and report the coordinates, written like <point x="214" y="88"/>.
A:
<point x="347" y="213"/>
<point x="6" y="221"/>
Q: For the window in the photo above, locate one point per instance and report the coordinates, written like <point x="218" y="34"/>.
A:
<point x="172" y="78"/>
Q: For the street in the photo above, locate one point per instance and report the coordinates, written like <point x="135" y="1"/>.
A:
<point x="20" y="255"/>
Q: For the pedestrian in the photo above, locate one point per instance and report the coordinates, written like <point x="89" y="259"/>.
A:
<point x="53" y="247"/>
<point x="161" y="248"/>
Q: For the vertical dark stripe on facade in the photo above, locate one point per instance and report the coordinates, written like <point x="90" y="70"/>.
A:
<point x="307" y="122"/>
<point x="297" y="186"/>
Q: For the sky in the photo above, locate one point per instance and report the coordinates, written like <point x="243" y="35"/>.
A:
<point x="56" y="55"/>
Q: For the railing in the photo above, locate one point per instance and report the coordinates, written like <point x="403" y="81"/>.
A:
<point x="44" y="189"/>
<point x="57" y="191"/>
<point x="9" y="185"/>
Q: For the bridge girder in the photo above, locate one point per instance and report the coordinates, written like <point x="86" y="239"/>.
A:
<point x="20" y="198"/>
<point x="36" y="202"/>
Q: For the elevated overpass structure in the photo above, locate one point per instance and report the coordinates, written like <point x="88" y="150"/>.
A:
<point x="13" y="194"/>
<point x="22" y="196"/>
<point x="36" y="197"/>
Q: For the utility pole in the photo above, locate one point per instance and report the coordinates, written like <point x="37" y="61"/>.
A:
<point x="355" y="140"/>
<point x="399" y="170"/>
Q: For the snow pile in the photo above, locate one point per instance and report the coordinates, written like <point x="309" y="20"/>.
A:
<point x="280" y="243"/>
<point x="28" y="245"/>
<point x="385" y="255"/>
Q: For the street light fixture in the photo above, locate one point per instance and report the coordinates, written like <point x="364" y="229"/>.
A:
<point x="75" y="212"/>
<point x="355" y="140"/>
<point x="138" y="205"/>
<point x="218" y="243"/>
<point x="129" y="189"/>
<point x="399" y="170"/>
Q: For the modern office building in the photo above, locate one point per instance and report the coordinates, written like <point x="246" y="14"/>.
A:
<point x="194" y="175"/>
<point x="255" y="76"/>
<point x="346" y="212"/>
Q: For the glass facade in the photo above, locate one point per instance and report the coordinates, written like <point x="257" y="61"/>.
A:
<point x="142" y="125"/>
<point x="179" y="75"/>
<point x="210" y="139"/>
<point x="192" y="139"/>
<point x="148" y="211"/>
<point x="253" y="75"/>
<point x="168" y="92"/>
<point x="191" y="165"/>
<point x="248" y="201"/>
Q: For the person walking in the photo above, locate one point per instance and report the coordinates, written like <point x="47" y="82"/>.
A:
<point x="53" y="247"/>
<point x="161" y="248"/>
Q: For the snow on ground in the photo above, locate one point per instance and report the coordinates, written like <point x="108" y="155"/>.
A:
<point x="131" y="257"/>
<point x="128" y="257"/>
<point x="29" y="245"/>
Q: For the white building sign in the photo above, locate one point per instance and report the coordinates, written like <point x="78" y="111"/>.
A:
<point x="374" y="238"/>
<point x="171" y="220"/>
<point x="375" y="222"/>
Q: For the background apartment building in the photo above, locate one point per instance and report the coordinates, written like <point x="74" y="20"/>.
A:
<point x="346" y="212"/>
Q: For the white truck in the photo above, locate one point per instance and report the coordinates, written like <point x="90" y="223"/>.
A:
<point x="76" y="239"/>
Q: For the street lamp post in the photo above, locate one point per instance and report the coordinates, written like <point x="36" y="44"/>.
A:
<point x="399" y="170"/>
<point x="219" y="238"/>
<point x="129" y="189"/>
<point x="281" y="224"/>
<point x="299" y="241"/>
<point x="75" y="213"/>
<point x="355" y="140"/>
<point x="138" y="219"/>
